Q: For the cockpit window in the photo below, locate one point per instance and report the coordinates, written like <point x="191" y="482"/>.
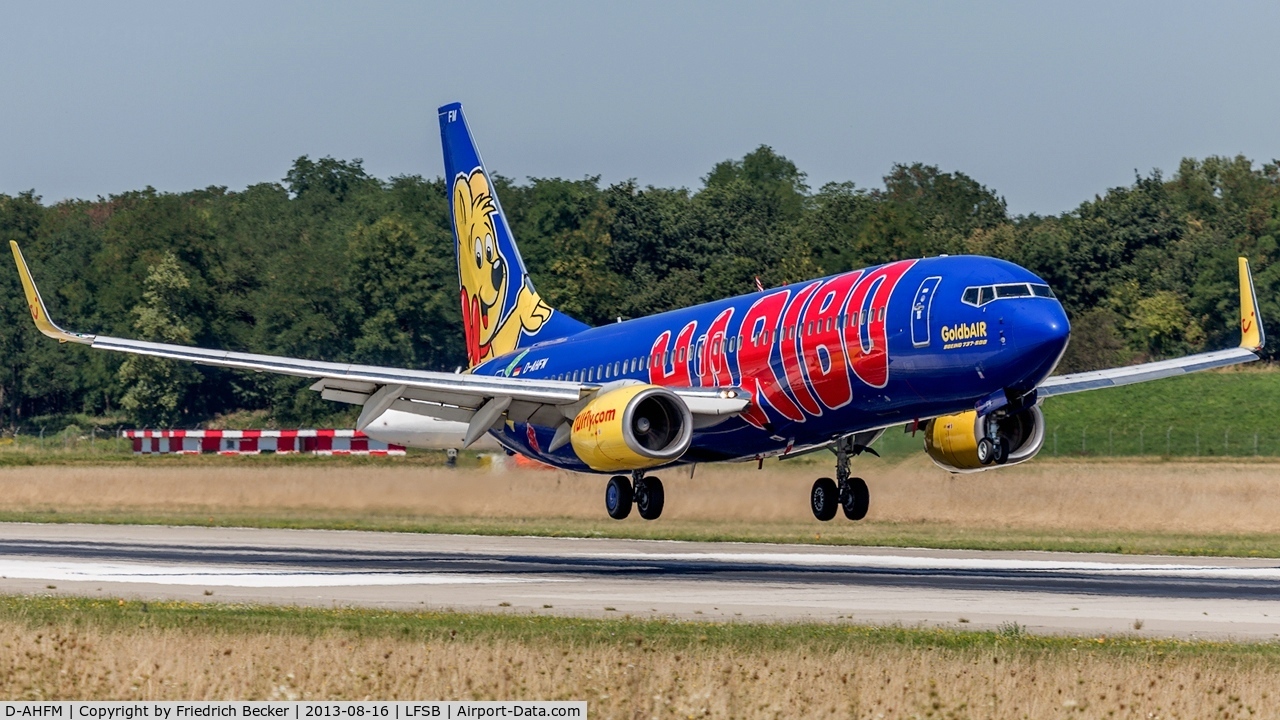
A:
<point x="981" y="295"/>
<point x="1017" y="290"/>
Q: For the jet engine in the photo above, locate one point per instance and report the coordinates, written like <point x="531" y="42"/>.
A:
<point x="631" y="428"/>
<point x="952" y="441"/>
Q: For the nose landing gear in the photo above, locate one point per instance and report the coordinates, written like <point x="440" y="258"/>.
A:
<point x="645" y="493"/>
<point x="846" y="493"/>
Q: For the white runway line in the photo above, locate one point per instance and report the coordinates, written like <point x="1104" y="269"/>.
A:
<point x="222" y="576"/>
<point x="900" y="562"/>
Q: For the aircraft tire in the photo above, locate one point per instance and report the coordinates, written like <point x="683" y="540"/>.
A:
<point x="1000" y="454"/>
<point x="617" y="497"/>
<point x="824" y="499"/>
<point x="649" y="498"/>
<point x="986" y="451"/>
<point x="855" y="499"/>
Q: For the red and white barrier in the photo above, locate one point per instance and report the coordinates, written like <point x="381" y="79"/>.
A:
<point x="253" y="442"/>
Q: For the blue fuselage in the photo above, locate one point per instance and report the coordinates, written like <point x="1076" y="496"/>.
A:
<point x="867" y="349"/>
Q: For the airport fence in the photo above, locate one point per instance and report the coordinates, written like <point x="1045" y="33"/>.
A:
<point x="93" y="440"/>
<point x="1062" y="440"/>
<point x="1166" y="440"/>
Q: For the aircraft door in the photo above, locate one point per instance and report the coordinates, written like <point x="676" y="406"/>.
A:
<point x="920" y="308"/>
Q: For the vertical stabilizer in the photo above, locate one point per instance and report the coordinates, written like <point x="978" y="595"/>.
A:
<point x="501" y="311"/>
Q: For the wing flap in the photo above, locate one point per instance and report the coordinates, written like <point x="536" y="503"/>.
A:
<point x="343" y="396"/>
<point x="434" y="410"/>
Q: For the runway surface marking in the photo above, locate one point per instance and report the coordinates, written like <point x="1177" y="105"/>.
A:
<point x="206" y="575"/>
<point x="819" y="560"/>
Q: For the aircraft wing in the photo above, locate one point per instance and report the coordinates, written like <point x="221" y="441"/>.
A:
<point x="482" y="401"/>
<point x="1252" y="339"/>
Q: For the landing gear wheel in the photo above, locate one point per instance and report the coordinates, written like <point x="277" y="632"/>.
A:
<point x="1001" y="451"/>
<point x="617" y="497"/>
<point x="986" y="451"/>
<point x="824" y="498"/>
<point x="855" y="498"/>
<point x="649" y="497"/>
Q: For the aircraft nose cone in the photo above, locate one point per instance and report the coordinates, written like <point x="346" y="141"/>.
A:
<point x="1042" y="334"/>
<point x="1044" y="324"/>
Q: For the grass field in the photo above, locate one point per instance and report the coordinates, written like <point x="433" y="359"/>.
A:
<point x="56" y="648"/>
<point x="1132" y="506"/>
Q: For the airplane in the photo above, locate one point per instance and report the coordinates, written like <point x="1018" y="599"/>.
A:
<point x="962" y="348"/>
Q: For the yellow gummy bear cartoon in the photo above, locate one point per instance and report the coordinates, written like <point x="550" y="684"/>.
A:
<point x="485" y="275"/>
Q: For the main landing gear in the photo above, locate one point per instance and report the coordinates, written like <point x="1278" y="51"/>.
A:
<point x="644" y="492"/>
<point x="846" y="493"/>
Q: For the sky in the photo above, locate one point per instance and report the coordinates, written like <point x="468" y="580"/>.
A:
<point x="1046" y="103"/>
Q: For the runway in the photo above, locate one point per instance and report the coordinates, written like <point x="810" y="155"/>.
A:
<point x="1045" y="592"/>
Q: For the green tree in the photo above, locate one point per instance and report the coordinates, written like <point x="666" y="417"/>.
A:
<point x="156" y="388"/>
<point x="400" y="286"/>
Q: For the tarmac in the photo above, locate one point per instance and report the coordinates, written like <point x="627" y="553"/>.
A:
<point x="1050" y="593"/>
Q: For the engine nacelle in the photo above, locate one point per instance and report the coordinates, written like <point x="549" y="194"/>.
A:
<point x="631" y="428"/>
<point x="951" y="441"/>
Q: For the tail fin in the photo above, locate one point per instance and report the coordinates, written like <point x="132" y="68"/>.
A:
<point x="500" y="309"/>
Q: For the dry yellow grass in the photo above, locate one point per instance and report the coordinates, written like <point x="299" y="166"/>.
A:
<point x="630" y="679"/>
<point x="1136" y="496"/>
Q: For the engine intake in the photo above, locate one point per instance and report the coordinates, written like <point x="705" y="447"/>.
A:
<point x="631" y="428"/>
<point x="951" y="441"/>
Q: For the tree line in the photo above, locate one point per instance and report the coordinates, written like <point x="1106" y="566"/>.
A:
<point x="332" y="263"/>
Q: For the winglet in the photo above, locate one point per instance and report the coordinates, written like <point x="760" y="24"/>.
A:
<point x="1252" y="336"/>
<point x="36" y="305"/>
